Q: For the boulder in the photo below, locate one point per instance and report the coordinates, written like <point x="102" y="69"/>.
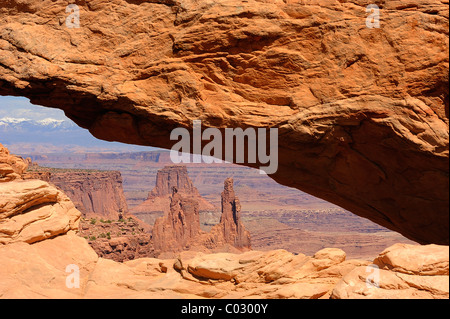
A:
<point x="33" y="210"/>
<point x="11" y="166"/>
<point x="399" y="272"/>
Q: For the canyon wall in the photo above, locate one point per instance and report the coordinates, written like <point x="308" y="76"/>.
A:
<point x="94" y="193"/>
<point x="177" y="230"/>
<point x="362" y="112"/>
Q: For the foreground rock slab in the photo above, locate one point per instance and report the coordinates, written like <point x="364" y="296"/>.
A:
<point x="45" y="270"/>
<point x="401" y="271"/>
<point x="32" y="211"/>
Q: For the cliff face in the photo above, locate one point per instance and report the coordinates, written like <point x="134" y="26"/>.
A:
<point x="362" y="112"/>
<point x="173" y="176"/>
<point x="94" y="193"/>
<point x="118" y="240"/>
<point x="178" y="229"/>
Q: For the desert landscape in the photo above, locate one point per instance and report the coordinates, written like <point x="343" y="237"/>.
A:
<point x="311" y="161"/>
<point x="177" y="258"/>
<point x="278" y="217"/>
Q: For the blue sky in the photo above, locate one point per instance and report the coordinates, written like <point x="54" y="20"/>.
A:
<point x="20" y="107"/>
<point x="77" y="139"/>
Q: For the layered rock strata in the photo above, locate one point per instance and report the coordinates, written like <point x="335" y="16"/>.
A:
<point x="94" y="193"/>
<point x="401" y="271"/>
<point x="11" y="166"/>
<point x="31" y="210"/>
<point x="230" y="229"/>
<point x="177" y="230"/>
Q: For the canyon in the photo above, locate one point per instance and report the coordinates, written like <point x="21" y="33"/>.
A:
<point x="38" y="222"/>
<point x="115" y="233"/>
<point x="276" y="216"/>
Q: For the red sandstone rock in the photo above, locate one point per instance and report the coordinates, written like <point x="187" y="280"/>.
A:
<point x="31" y="210"/>
<point x="11" y="167"/>
<point x="362" y="112"/>
<point x="159" y="199"/>
<point x="401" y="271"/>
<point x="180" y="229"/>
<point x="230" y="230"/>
<point x="119" y="240"/>
<point x="94" y="193"/>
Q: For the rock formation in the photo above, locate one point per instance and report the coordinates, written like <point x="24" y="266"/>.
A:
<point x="180" y="229"/>
<point x="11" y="167"/>
<point x="119" y="240"/>
<point x="254" y="274"/>
<point x="31" y="210"/>
<point x="230" y="230"/>
<point x="177" y="230"/>
<point x="401" y="271"/>
<point x="159" y="199"/>
<point x="362" y="112"/>
<point x="40" y="257"/>
<point x="94" y="193"/>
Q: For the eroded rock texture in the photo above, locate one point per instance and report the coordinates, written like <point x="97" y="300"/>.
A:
<point x="31" y="210"/>
<point x="11" y="166"/>
<point x="401" y="271"/>
<point x="230" y="229"/>
<point x="179" y="229"/>
<point x="32" y="271"/>
<point x="362" y="112"/>
<point x="94" y="193"/>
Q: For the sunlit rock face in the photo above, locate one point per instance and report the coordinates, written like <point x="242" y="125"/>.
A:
<point x="362" y="112"/>
<point x="179" y="229"/>
<point x="31" y="210"/>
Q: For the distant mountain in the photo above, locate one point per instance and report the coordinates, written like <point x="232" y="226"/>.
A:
<point x="9" y="124"/>
<point x="49" y="130"/>
<point x="53" y="135"/>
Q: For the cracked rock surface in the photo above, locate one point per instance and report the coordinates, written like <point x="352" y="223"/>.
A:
<point x="362" y="112"/>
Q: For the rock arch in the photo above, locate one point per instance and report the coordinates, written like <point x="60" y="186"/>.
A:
<point x="362" y="113"/>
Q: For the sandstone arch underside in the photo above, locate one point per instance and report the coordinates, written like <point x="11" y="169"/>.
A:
<point x="362" y="112"/>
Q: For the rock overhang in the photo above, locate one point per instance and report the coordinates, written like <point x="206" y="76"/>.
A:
<point x="362" y="113"/>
